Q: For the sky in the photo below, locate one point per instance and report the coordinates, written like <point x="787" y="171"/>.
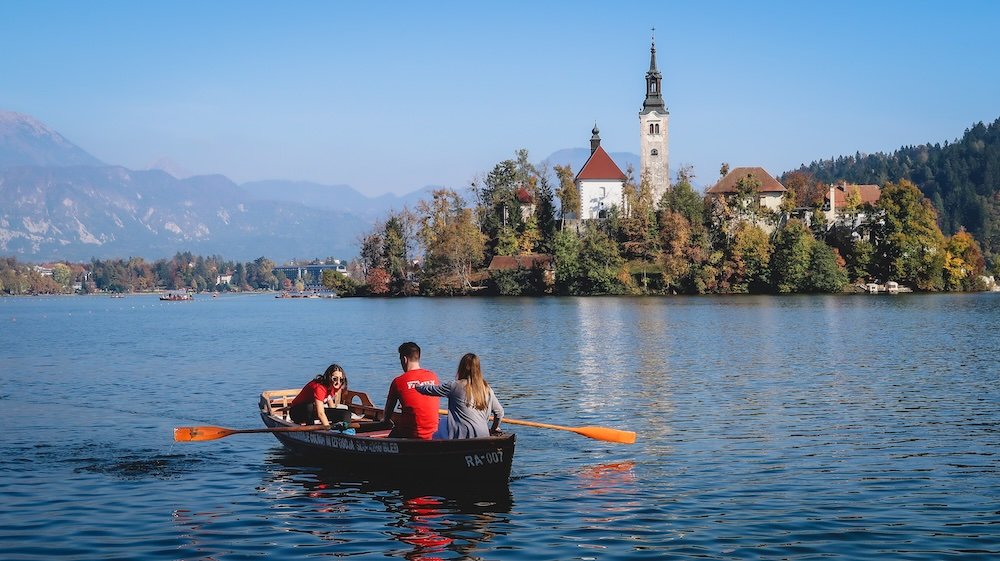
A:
<point x="389" y="97"/>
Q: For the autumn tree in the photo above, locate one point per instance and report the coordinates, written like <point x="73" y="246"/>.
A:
<point x="909" y="244"/>
<point x="569" y="195"/>
<point x="453" y="244"/>
<point x="750" y="253"/>
<point x="636" y="227"/>
<point x="963" y="263"/>
<point x="62" y="275"/>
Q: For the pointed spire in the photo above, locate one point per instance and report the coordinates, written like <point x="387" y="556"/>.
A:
<point x="654" y="96"/>
<point x="652" y="52"/>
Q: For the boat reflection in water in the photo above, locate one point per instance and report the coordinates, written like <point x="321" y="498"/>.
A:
<point x="429" y="521"/>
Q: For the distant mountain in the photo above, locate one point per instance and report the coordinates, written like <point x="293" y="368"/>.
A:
<point x="339" y="197"/>
<point x="76" y="213"/>
<point x="25" y="141"/>
<point x="58" y="202"/>
<point x="576" y="157"/>
<point x="173" y="168"/>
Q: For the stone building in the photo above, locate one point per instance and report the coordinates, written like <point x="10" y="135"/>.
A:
<point x="654" y="132"/>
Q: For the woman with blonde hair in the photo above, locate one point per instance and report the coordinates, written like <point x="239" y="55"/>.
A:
<point x="471" y="401"/>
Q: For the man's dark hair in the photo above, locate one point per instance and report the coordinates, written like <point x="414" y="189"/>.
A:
<point x="410" y="350"/>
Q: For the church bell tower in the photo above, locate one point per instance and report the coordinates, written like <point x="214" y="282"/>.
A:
<point x="654" y="132"/>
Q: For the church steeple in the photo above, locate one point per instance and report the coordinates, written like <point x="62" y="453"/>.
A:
<point x="654" y="131"/>
<point x="595" y="139"/>
<point x="654" y="95"/>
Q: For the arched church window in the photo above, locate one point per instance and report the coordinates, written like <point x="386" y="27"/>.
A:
<point x="654" y="152"/>
<point x="650" y="128"/>
<point x="657" y="128"/>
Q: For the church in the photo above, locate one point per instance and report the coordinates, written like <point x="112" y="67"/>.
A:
<point x="600" y="180"/>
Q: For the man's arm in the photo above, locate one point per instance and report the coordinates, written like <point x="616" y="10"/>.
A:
<point x="390" y="403"/>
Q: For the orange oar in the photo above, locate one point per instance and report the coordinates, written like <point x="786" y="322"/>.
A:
<point x="597" y="433"/>
<point x="196" y="434"/>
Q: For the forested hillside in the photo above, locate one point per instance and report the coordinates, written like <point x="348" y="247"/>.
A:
<point x="962" y="179"/>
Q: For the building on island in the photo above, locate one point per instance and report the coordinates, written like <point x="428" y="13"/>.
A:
<point x="654" y="132"/>
<point x="770" y="191"/>
<point x="599" y="182"/>
<point x="769" y="195"/>
<point x="846" y="204"/>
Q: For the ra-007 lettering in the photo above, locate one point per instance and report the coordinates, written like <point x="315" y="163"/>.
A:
<point x="487" y="458"/>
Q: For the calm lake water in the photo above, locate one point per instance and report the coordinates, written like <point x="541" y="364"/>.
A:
<point x="803" y="427"/>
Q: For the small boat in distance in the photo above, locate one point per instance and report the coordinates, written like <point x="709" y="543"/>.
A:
<point x="307" y="294"/>
<point x="369" y="453"/>
<point x="177" y="296"/>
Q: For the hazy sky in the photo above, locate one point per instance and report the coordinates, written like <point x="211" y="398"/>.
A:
<point x="392" y="96"/>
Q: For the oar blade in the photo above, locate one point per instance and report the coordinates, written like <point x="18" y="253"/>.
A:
<point x="196" y="434"/>
<point x="607" y="435"/>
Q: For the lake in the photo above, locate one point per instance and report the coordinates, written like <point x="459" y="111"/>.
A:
<point x="798" y="427"/>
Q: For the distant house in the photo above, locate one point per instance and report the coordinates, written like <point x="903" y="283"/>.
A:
<point x="837" y="213"/>
<point x="599" y="182"/>
<point x="526" y="201"/>
<point x="543" y="261"/>
<point x="770" y="191"/>
<point x="224" y="279"/>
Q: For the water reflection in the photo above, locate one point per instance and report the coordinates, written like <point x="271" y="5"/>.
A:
<point x="604" y="358"/>
<point x="428" y="521"/>
<point x="611" y="478"/>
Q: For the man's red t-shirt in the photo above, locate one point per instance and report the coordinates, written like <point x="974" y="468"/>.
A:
<point x="312" y="390"/>
<point x="419" y="417"/>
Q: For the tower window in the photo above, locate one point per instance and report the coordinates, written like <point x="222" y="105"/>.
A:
<point x="654" y="152"/>
<point x="650" y="128"/>
<point x="657" y="125"/>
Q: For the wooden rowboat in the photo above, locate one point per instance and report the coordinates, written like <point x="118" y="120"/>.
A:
<point x="371" y="454"/>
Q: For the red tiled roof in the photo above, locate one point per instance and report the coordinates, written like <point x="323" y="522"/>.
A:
<point x="870" y="194"/>
<point x="600" y="166"/>
<point x="728" y="183"/>
<point x="523" y="196"/>
<point x="526" y="261"/>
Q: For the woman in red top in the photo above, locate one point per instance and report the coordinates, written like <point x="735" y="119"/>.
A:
<point x="309" y="405"/>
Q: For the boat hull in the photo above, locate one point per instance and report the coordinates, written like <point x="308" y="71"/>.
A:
<point x="482" y="462"/>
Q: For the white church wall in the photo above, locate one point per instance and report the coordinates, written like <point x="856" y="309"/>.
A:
<point x="598" y="195"/>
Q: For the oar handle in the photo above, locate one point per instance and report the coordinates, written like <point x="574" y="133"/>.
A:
<point x="538" y="425"/>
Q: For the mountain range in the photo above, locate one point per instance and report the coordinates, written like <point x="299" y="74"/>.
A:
<point x="58" y="202"/>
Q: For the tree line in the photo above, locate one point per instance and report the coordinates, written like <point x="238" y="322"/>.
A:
<point x="182" y="271"/>
<point x="961" y="179"/>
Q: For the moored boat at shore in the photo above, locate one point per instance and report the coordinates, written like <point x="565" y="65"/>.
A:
<point x="177" y="296"/>
<point x="371" y="454"/>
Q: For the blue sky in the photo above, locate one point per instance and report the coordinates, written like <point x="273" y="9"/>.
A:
<point x="392" y="96"/>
